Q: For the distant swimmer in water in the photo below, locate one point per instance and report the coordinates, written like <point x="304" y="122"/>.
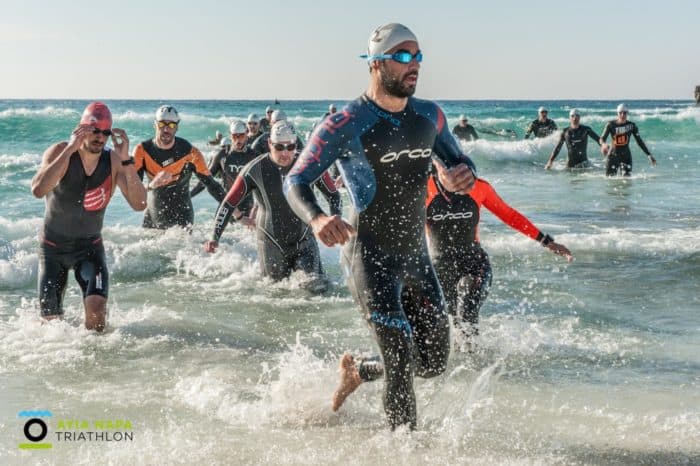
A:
<point x="78" y="179"/>
<point x="542" y="126"/>
<point x="384" y="142"/>
<point x="260" y="145"/>
<point x="228" y="163"/>
<point x="619" y="158"/>
<point x="461" y="264"/>
<point x="217" y="139"/>
<point x="463" y="131"/>
<point x="285" y="243"/>
<point x="169" y="162"/>
<point x="576" y="139"/>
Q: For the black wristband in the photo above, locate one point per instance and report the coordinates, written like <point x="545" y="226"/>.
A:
<point x="546" y="240"/>
<point x="129" y="161"/>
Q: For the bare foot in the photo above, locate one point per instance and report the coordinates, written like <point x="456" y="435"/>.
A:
<point x="349" y="381"/>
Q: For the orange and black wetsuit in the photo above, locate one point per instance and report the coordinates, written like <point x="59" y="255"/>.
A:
<point x="461" y="264"/>
<point x="620" y="158"/>
<point x="171" y="205"/>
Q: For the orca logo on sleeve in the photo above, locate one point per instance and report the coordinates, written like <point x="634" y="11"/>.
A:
<point x="452" y="216"/>
<point x="411" y="154"/>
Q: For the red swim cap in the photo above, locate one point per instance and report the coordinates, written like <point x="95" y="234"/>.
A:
<point x="98" y="115"/>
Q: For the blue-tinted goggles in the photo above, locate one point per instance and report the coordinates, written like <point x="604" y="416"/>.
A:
<point x="402" y="56"/>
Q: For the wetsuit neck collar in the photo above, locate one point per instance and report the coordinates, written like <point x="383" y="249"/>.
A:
<point x="383" y="109"/>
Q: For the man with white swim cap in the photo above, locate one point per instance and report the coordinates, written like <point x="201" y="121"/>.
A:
<point x="259" y="146"/>
<point x="463" y="131"/>
<point x="542" y="126"/>
<point x="576" y="138"/>
<point x="384" y="142"/>
<point x="619" y="158"/>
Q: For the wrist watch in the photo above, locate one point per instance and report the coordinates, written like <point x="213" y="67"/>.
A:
<point x="129" y="161"/>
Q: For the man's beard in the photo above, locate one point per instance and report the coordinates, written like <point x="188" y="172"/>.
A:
<point x="95" y="147"/>
<point x="394" y="85"/>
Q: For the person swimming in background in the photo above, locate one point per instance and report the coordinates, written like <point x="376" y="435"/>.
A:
<point x="217" y="139"/>
<point x="463" y="131"/>
<point x="169" y="163"/>
<point x="462" y="266"/>
<point x="619" y="157"/>
<point x="576" y="138"/>
<point x="542" y="126"/>
<point x="78" y="179"/>
<point x="285" y="243"/>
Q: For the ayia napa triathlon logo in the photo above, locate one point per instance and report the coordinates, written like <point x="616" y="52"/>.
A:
<point x="41" y="430"/>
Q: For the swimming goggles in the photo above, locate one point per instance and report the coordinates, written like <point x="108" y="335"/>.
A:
<point x="402" y="56"/>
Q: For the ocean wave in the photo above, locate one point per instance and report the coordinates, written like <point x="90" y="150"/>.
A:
<point x="49" y="111"/>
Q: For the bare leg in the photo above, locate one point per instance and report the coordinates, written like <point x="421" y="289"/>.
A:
<point x="349" y="381"/>
<point x="95" y="312"/>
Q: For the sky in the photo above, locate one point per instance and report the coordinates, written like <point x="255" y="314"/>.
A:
<point x="299" y="49"/>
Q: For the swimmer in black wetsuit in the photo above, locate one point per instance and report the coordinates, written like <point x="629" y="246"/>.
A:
<point x="576" y="138"/>
<point x="619" y="158"/>
<point x="461" y="264"/>
<point x="78" y="179"/>
<point x="464" y="131"/>
<point x="267" y="122"/>
<point x="384" y="141"/>
<point x="260" y="145"/>
<point x="228" y="163"/>
<point x="285" y="243"/>
<point x="169" y="162"/>
<point x="254" y="131"/>
<point x="542" y="126"/>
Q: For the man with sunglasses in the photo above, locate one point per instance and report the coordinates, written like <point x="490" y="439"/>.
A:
<point x="384" y="143"/>
<point x="542" y="126"/>
<point x="619" y="158"/>
<point x="169" y="162"/>
<point x="285" y="243"/>
<point x="229" y="162"/>
<point x="78" y="178"/>
<point x="576" y="138"/>
<point x="260" y="145"/>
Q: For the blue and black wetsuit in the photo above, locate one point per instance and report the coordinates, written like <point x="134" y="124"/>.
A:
<point x="389" y="270"/>
<point x="285" y="243"/>
<point x="620" y="158"/>
<point x="72" y="234"/>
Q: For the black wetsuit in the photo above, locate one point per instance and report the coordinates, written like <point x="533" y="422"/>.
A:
<point x="465" y="133"/>
<point x="228" y="163"/>
<point x="389" y="270"/>
<point x="577" y="144"/>
<point x="171" y="205"/>
<point x="264" y="125"/>
<point x="541" y="128"/>
<point x="72" y="234"/>
<point x="620" y="158"/>
<point x="285" y="243"/>
<point x="259" y="146"/>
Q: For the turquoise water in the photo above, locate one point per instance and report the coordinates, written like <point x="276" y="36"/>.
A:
<point x="592" y="362"/>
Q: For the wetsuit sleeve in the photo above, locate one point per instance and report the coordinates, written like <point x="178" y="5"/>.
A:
<point x="202" y="172"/>
<point x="447" y="148"/>
<point x="553" y="125"/>
<point x="506" y="213"/>
<point x="240" y="190"/>
<point x="530" y="129"/>
<point x="139" y="161"/>
<point x="638" y="138"/>
<point x="606" y="131"/>
<point x="557" y="148"/>
<point x="592" y="134"/>
<point x="326" y="185"/>
<point x="473" y="133"/>
<point x="328" y="142"/>
<point x="214" y="169"/>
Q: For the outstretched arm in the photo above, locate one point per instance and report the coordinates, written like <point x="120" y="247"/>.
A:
<point x="215" y="189"/>
<point x="240" y="190"/>
<point x="214" y="169"/>
<point x="127" y="178"/>
<point x="556" y="150"/>
<point x="638" y="138"/>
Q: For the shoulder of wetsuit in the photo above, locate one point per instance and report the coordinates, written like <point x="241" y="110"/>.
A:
<point x="429" y="110"/>
<point x="147" y="146"/>
<point x="182" y="146"/>
<point x="256" y="161"/>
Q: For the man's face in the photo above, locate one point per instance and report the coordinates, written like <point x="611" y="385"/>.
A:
<point x="165" y="131"/>
<point x="96" y="140"/>
<point x="543" y="115"/>
<point x="622" y="116"/>
<point x="282" y="153"/>
<point x="253" y="127"/>
<point x="398" y="79"/>
<point x="238" y="141"/>
<point x="462" y="123"/>
<point x="575" y="120"/>
<point x="268" y="115"/>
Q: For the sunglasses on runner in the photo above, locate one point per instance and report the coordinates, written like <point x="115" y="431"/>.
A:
<point x="281" y="147"/>
<point x="104" y="132"/>
<point x="402" y="56"/>
<point x="169" y="124"/>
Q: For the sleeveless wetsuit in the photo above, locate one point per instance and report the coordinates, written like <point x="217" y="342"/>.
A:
<point x="285" y="243"/>
<point x="620" y="158"/>
<point x="389" y="271"/>
<point x="462" y="265"/>
<point x="541" y="128"/>
<point x="227" y="164"/>
<point x="577" y="144"/>
<point x="171" y="205"/>
<point x="465" y="133"/>
<point x="71" y="237"/>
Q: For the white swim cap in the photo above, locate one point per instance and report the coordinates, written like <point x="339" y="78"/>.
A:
<point x="238" y="127"/>
<point x="278" y="115"/>
<point x="388" y="36"/>
<point x="253" y="118"/>
<point x="167" y="113"/>
<point x="331" y="108"/>
<point x="283" y="131"/>
<point x="462" y="117"/>
<point x="622" y="108"/>
<point x="268" y="109"/>
<point x="225" y="142"/>
<point x="574" y="112"/>
<point x="542" y="109"/>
